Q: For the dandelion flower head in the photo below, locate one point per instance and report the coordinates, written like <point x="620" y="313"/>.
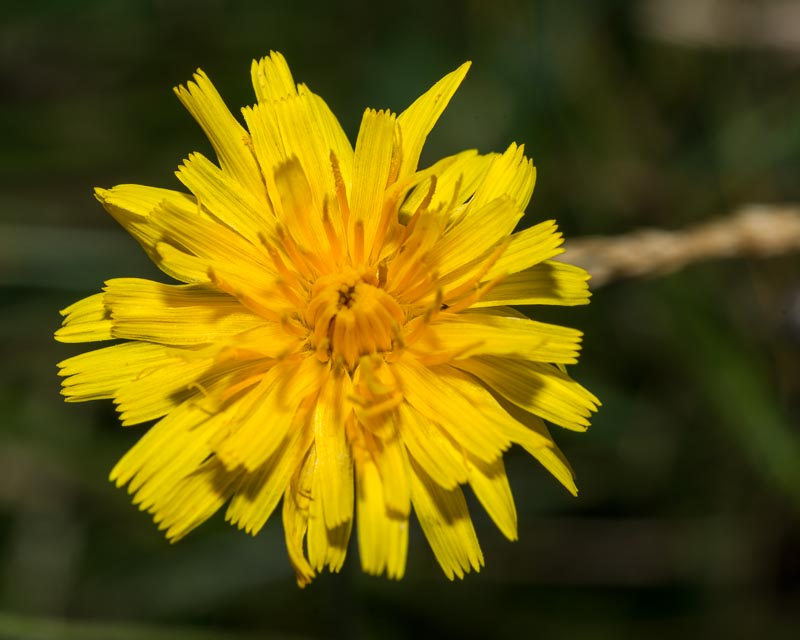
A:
<point x="342" y="340"/>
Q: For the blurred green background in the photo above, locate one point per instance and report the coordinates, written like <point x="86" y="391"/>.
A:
<point x="658" y="113"/>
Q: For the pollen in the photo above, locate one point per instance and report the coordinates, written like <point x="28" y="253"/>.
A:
<point x="350" y="316"/>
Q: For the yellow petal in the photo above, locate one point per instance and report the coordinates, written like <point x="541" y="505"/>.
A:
<point x="296" y="199"/>
<point x="372" y="164"/>
<point x="158" y="391"/>
<point x="546" y="283"/>
<point x="134" y="207"/>
<point x="174" y="314"/>
<point x="259" y="426"/>
<point x="261" y="490"/>
<point x="510" y="174"/>
<point x="99" y="374"/>
<point x="435" y="453"/>
<point x="475" y="234"/>
<point x="326" y="546"/>
<point x="87" y="320"/>
<point x="457" y="177"/>
<point x="271" y="77"/>
<point x="273" y="85"/>
<point x="490" y="484"/>
<point x="549" y="455"/>
<point x="268" y="146"/>
<point x="309" y="131"/>
<point x="417" y="121"/>
<point x="382" y="536"/>
<point x="171" y="473"/>
<point x="229" y="139"/>
<point x="536" y="387"/>
<point x="445" y="520"/>
<point x="491" y="410"/>
<point x="528" y="248"/>
<point x="224" y="198"/>
<point x="556" y="463"/>
<point x="434" y="396"/>
<point x="334" y="460"/>
<point x="169" y="448"/>
<point x="232" y="263"/>
<point x="296" y="502"/>
<point x="207" y="239"/>
<point x="195" y="498"/>
<point x="472" y="333"/>
<point x="391" y="458"/>
<point x="331" y="134"/>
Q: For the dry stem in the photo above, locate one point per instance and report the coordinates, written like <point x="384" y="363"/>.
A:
<point x="753" y="231"/>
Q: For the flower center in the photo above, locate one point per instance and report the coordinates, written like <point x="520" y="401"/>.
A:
<point x="350" y="315"/>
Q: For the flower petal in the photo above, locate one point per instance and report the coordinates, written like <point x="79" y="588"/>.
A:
<point x="271" y="77"/>
<point x="157" y="391"/>
<point x="171" y="474"/>
<point x="326" y="546"/>
<point x="372" y="168"/>
<point x="536" y="387"/>
<point x="434" y="397"/>
<point x="260" y="425"/>
<point x="547" y="283"/>
<point x="471" y="333"/>
<point x="224" y="198"/>
<point x="445" y="520"/>
<point x="527" y="248"/>
<point x="435" y="453"/>
<point x="310" y="132"/>
<point x="334" y="460"/>
<point x="457" y="178"/>
<point x="229" y="139"/>
<point x="260" y="491"/>
<point x="548" y="454"/>
<point x="418" y="120"/>
<point x="190" y="314"/>
<point x="99" y="374"/>
<point x="511" y="174"/>
<point x="490" y="484"/>
<point x="87" y="320"/>
<point x="475" y="234"/>
<point x="391" y="458"/>
<point x="195" y="498"/>
<point x="296" y="501"/>
<point x="382" y="536"/>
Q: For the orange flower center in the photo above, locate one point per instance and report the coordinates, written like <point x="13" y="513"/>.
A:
<point x="350" y="316"/>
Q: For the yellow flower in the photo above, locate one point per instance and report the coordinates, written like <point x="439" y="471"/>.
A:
<point x="342" y="339"/>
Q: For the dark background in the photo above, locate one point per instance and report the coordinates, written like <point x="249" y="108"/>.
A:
<point x="658" y="113"/>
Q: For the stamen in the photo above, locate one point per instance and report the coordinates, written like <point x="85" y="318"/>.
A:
<point x="382" y="272"/>
<point x="476" y="295"/>
<point x="277" y="262"/>
<point x="428" y="196"/>
<point x="456" y="192"/>
<point x="292" y="326"/>
<point x="358" y="242"/>
<point x="292" y="251"/>
<point x="418" y="291"/>
<point x="388" y="212"/>
<point x="397" y="156"/>
<point x="379" y="408"/>
<point x="419" y="325"/>
<point x="231" y="390"/>
<point x="246" y="299"/>
<point x="341" y="190"/>
<point x="333" y="238"/>
<point x="473" y="281"/>
<point x="353" y="315"/>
